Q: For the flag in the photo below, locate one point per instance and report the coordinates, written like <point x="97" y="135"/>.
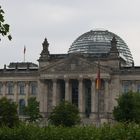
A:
<point x="98" y="79"/>
<point x="24" y="49"/>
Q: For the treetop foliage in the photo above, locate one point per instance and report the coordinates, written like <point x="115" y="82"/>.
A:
<point x="4" y="27"/>
<point x="128" y="108"/>
<point x="32" y="110"/>
<point x="65" y="114"/>
<point x="8" y="113"/>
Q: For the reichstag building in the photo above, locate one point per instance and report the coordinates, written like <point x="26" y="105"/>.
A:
<point x="72" y="76"/>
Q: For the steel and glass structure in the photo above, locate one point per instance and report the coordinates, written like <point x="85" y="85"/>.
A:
<point x="98" y="42"/>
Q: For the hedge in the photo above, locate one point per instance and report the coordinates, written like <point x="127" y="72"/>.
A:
<point x="105" y="132"/>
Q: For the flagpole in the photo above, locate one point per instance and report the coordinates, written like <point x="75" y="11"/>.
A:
<point x="98" y="92"/>
<point x="24" y="53"/>
<point x="98" y="111"/>
<point x="24" y="58"/>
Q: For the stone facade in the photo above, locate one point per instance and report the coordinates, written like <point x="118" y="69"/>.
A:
<point x="71" y="77"/>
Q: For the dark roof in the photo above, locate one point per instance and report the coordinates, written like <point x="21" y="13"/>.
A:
<point x="22" y="65"/>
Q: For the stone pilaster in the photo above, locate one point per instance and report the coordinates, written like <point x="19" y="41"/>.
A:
<point x="4" y="88"/>
<point x="16" y="92"/>
<point x="27" y="92"/>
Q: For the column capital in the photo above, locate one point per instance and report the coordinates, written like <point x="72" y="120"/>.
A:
<point x="106" y="79"/>
<point x="4" y="82"/>
<point x="80" y="79"/>
<point x="92" y="79"/>
<point x="27" y="82"/>
<point x="66" y="79"/>
<point x="15" y="82"/>
<point x="133" y="81"/>
<point x="42" y="80"/>
<point x="54" y="80"/>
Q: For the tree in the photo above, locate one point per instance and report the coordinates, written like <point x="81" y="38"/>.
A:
<point x="65" y="114"/>
<point x="32" y="110"/>
<point x="4" y="28"/>
<point x="128" y="108"/>
<point x="8" y="113"/>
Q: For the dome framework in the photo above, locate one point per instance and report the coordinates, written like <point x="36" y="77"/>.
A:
<point x="98" y="42"/>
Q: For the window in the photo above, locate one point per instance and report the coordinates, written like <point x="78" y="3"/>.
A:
<point x="75" y="92"/>
<point x="126" y="86"/>
<point x="33" y="87"/>
<point x="87" y="87"/>
<point x="21" y="106"/>
<point x="138" y="88"/>
<point x="10" y="87"/>
<point x="21" y="86"/>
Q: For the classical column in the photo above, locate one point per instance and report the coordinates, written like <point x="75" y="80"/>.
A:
<point x="54" y="94"/>
<point x="67" y="90"/>
<point x="27" y="92"/>
<point x="40" y="96"/>
<point x="93" y="100"/>
<point x="16" y="92"/>
<point x="106" y="96"/>
<point x="45" y="97"/>
<point x="4" y="88"/>
<point x="81" y="101"/>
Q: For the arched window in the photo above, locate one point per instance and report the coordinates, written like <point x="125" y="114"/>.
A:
<point x="10" y="87"/>
<point x="21" y="106"/>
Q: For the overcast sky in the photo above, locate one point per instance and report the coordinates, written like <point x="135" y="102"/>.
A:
<point x="62" y="21"/>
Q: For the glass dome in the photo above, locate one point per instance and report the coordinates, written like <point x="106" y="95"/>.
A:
<point x="98" y="42"/>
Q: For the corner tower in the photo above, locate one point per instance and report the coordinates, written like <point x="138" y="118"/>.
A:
<point x="45" y="54"/>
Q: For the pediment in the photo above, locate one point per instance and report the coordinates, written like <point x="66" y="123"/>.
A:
<point x="73" y="64"/>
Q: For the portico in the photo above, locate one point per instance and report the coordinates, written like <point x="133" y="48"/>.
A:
<point x="79" y="90"/>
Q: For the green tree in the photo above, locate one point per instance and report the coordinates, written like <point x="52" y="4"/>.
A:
<point x="4" y="28"/>
<point x="128" y="108"/>
<point x="32" y="110"/>
<point x="8" y="113"/>
<point x="65" y="114"/>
